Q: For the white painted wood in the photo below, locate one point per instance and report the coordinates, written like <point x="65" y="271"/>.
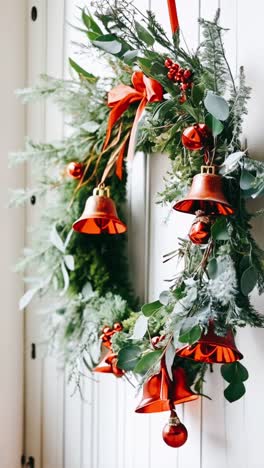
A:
<point x="102" y="430"/>
<point x="12" y="121"/>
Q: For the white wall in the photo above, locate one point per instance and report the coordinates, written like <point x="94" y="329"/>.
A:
<point x="13" y="59"/>
<point x="103" y="431"/>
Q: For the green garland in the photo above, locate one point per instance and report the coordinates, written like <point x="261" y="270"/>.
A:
<point x="91" y="271"/>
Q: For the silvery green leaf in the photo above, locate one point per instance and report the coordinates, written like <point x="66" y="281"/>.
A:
<point x="140" y="328"/>
<point x="87" y="290"/>
<point x="69" y="262"/>
<point x="66" y="278"/>
<point x="90" y="127"/>
<point x="56" y="240"/>
<point x="231" y="162"/>
<point x="164" y="297"/>
<point x="27" y="298"/>
<point x="169" y="358"/>
<point x="68" y="238"/>
<point x="217" y="106"/>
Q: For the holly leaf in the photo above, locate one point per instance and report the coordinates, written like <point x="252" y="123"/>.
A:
<point x="140" y="328"/>
<point x="217" y="106"/>
<point x="128" y="357"/>
<point x="234" y="372"/>
<point x="214" y="124"/>
<point x="248" y="280"/>
<point x="197" y="94"/>
<point x="151" y="308"/>
<point x="90" y="23"/>
<point x="144" y="34"/>
<point x="219" y="230"/>
<point x="148" y="361"/>
<point x="234" y="391"/>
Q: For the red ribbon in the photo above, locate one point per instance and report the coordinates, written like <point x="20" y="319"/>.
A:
<point x="145" y="90"/>
<point x="108" y="332"/>
<point x="173" y="15"/>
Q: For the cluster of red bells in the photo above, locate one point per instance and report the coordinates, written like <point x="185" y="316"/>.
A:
<point x="160" y="392"/>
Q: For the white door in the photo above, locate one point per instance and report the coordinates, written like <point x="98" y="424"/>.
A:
<point x="102" y="431"/>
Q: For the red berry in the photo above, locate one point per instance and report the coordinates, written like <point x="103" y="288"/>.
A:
<point x="171" y="75"/>
<point x="182" y="99"/>
<point x="185" y="86"/>
<point x="175" y="67"/>
<point x="168" y="63"/>
<point x="187" y="74"/>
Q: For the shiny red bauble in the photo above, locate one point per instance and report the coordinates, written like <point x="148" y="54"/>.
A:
<point x="175" y="436"/>
<point x="75" y="170"/>
<point x="200" y="231"/>
<point x="196" y="137"/>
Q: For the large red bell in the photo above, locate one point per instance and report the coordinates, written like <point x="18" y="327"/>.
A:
<point x="206" y="194"/>
<point x="212" y="348"/>
<point x="100" y="215"/>
<point x="159" y="392"/>
<point x="108" y="365"/>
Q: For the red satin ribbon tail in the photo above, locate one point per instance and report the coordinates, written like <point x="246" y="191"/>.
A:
<point x="173" y="15"/>
<point x="119" y="162"/>
<point x="131" y="146"/>
<point x="119" y="108"/>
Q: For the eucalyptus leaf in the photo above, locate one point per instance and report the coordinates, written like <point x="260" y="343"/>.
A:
<point x="130" y="56"/>
<point x="231" y="162"/>
<point x="87" y="290"/>
<point x="90" y="23"/>
<point x="234" y="391"/>
<point x="217" y="106"/>
<point x="214" y="124"/>
<point x="90" y="127"/>
<point x="169" y="359"/>
<point x="151" y="308"/>
<point x="247" y="180"/>
<point x="108" y="43"/>
<point x="144" y="34"/>
<point x="212" y="268"/>
<point x="140" y="328"/>
<point x="148" y="361"/>
<point x="248" y="280"/>
<point x="83" y="73"/>
<point x="66" y="278"/>
<point x="164" y="297"/>
<point x="27" y="298"/>
<point x="56" y="240"/>
<point x="69" y="262"/>
<point x="219" y="230"/>
<point x="234" y="372"/>
<point x="190" y="331"/>
<point x="128" y="357"/>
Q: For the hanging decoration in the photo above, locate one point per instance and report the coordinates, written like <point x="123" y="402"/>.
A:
<point x="183" y="105"/>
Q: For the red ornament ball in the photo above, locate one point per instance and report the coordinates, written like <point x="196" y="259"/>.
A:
<point x="200" y="231"/>
<point x="196" y="137"/>
<point x="75" y="170"/>
<point x="175" y="436"/>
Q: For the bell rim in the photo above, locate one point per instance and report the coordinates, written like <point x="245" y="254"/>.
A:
<point x="213" y="200"/>
<point x="99" y="216"/>
<point x="235" y="351"/>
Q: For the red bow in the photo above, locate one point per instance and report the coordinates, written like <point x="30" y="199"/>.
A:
<point x="119" y="99"/>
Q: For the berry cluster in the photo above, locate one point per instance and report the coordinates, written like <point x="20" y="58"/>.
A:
<point x="179" y="75"/>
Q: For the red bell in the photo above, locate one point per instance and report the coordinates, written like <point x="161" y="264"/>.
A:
<point x="108" y="365"/>
<point x="206" y="194"/>
<point x="196" y="137"/>
<point x="100" y="215"/>
<point x="200" y="229"/>
<point x="159" y="391"/>
<point x="212" y="348"/>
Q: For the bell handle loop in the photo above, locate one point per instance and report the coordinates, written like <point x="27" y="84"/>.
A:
<point x="101" y="190"/>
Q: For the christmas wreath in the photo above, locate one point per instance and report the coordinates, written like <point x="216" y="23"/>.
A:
<point x="190" y="107"/>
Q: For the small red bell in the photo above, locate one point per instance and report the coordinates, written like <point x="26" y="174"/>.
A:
<point x="108" y="365"/>
<point x="196" y="137"/>
<point x="206" y="194"/>
<point x="200" y="229"/>
<point x="75" y="170"/>
<point x="159" y="391"/>
<point x="100" y="215"/>
<point x="212" y="348"/>
<point x="174" y="433"/>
